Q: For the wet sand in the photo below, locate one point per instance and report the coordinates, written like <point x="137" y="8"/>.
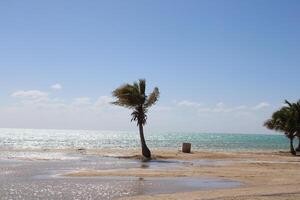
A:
<point x="115" y="173"/>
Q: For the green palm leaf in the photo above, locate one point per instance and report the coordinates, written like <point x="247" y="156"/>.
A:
<point x="152" y="98"/>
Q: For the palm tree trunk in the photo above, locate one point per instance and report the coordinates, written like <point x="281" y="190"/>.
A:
<point x="298" y="148"/>
<point x="292" y="147"/>
<point x="145" y="151"/>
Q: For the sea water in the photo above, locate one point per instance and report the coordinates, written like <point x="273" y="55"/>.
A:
<point x="60" y="139"/>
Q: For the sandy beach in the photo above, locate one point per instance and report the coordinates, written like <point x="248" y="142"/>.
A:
<point x="259" y="175"/>
<point x="271" y="175"/>
<point x="265" y="176"/>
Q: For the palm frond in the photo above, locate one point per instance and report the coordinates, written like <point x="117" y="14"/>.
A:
<point x="288" y="103"/>
<point x="152" y="98"/>
<point x="270" y="124"/>
<point x="133" y="97"/>
<point x="142" y="86"/>
<point x="127" y="96"/>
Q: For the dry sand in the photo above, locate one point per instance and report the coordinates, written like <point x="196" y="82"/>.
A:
<point x="264" y="176"/>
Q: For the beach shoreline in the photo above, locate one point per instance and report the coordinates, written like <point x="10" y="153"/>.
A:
<point x="263" y="175"/>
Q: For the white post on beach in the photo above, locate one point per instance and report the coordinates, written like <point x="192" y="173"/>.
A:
<point x="186" y="147"/>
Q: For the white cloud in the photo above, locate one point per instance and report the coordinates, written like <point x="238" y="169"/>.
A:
<point x="103" y="101"/>
<point x="261" y="106"/>
<point x="188" y="103"/>
<point x="241" y="107"/>
<point x="38" y="99"/>
<point x="161" y="108"/>
<point x="81" y="101"/>
<point x="57" y="113"/>
<point x="30" y="94"/>
<point x="204" y="109"/>
<point x="220" y="107"/>
<point x="34" y="108"/>
<point x="56" y="86"/>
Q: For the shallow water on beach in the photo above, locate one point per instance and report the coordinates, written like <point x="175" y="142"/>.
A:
<point x="41" y="179"/>
<point x="32" y="162"/>
<point x="62" y="139"/>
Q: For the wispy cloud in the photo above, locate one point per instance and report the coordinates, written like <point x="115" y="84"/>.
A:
<point x="188" y="103"/>
<point x="81" y="101"/>
<point x="35" y="107"/>
<point x="103" y="101"/>
<point x="39" y="109"/>
<point x="29" y="94"/>
<point x="161" y="108"/>
<point x="261" y="106"/>
<point x="220" y="107"/>
<point x="56" y="86"/>
<point x="40" y="99"/>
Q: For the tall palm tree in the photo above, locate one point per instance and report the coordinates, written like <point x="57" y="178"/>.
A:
<point x="284" y="120"/>
<point x="134" y="97"/>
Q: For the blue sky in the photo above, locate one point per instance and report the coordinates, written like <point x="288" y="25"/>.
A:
<point x="221" y="66"/>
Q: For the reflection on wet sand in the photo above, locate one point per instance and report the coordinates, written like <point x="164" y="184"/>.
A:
<point x="34" y="175"/>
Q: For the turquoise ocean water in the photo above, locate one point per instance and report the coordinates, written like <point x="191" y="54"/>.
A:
<point x="41" y="139"/>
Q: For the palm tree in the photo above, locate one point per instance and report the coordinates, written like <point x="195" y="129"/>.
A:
<point x="296" y="110"/>
<point x="285" y="120"/>
<point x="134" y="97"/>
